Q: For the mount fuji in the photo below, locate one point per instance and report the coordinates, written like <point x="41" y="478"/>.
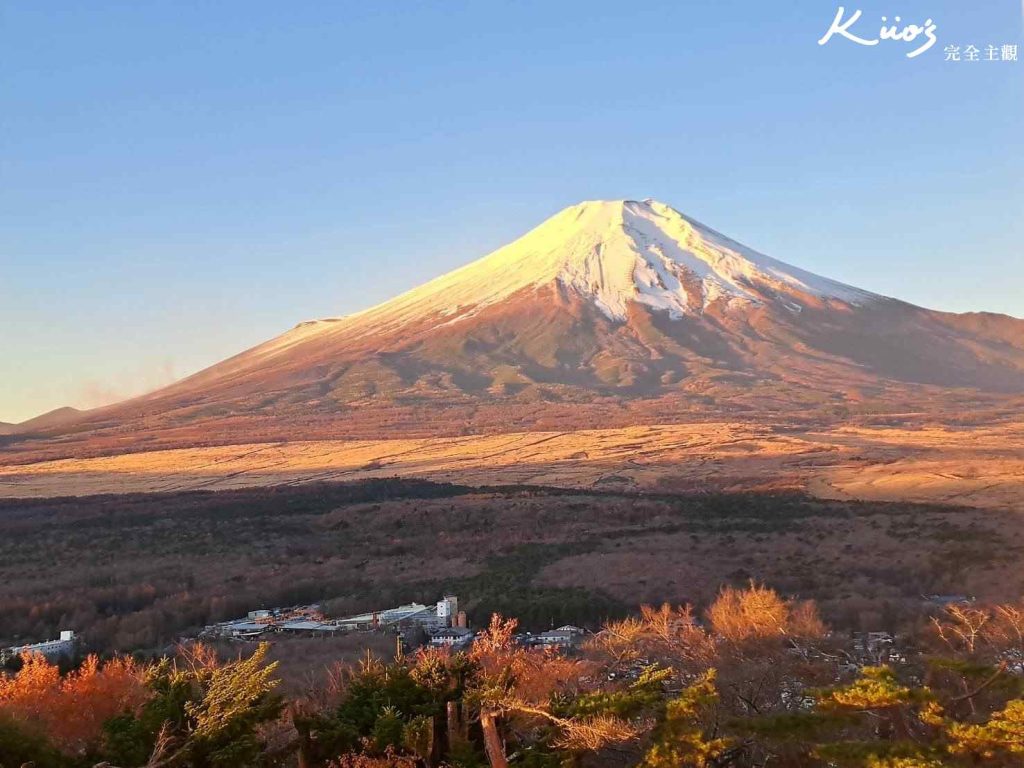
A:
<point x="609" y="313"/>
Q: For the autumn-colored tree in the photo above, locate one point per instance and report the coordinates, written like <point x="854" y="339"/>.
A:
<point x="758" y="613"/>
<point x="667" y="635"/>
<point x="759" y="683"/>
<point x="72" y="710"/>
<point x="201" y="713"/>
<point x="93" y="694"/>
<point x="518" y="684"/>
<point x="31" y="694"/>
<point x="964" y="628"/>
<point x="769" y="651"/>
<point x="999" y="740"/>
<point x="1007" y="631"/>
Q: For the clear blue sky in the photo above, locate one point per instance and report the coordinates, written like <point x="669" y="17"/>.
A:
<point x="179" y="181"/>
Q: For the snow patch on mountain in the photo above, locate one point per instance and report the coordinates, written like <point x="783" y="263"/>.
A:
<point x="650" y="253"/>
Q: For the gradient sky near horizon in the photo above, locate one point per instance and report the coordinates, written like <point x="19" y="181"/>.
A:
<point x="180" y="181"/>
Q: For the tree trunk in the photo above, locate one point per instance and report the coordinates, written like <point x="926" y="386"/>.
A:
<point x="464" y="718"/>
<point x="438" y="742"/>
<point x="301" y="726"/>
<point x="302" y="754"/>
<point x="492" y="739"/>
<point x="453" y="723"/>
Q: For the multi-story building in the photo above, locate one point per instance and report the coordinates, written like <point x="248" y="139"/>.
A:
<point x="51" y="649"/>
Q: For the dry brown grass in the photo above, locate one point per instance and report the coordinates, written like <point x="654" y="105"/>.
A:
<point x="980" y="465"/>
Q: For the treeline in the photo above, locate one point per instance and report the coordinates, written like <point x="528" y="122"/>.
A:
<point x="163" y="564"/>
<point x="137" y="572"/>
<point x="755" y="681"/>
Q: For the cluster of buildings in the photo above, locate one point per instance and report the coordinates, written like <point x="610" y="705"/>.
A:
<point x="52" y="649"/>
<point x="310" y="620"/>
<point x="307" y="619"/>
<point x="441" y="625"/>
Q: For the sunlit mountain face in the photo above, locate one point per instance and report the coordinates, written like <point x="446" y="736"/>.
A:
<point x="609" y="313"/>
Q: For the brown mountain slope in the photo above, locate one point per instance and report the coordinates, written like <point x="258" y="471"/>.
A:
<point x="51" y="420"/>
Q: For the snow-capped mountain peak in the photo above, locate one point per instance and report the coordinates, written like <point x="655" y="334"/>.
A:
<point x="613" y="253"/>
<point x="650" y="253"/>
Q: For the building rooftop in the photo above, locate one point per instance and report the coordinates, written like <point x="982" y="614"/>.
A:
<point x="305" y="624"/>
<point x="451" y="632"/>
<point x="246" y="626"/>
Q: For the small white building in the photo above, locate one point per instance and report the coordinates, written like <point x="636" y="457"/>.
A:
<point x="561" y="638"/>
<point x="451" y="637"/>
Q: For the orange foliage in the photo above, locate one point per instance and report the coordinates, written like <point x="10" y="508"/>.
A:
<point x="496" y="643"/>
<point x="28" y="695"/>
<point x="71" y="710"/>
<point x="667" y="635"/>
<point x="524" y="675"/>
<point x="757" y="612"/>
